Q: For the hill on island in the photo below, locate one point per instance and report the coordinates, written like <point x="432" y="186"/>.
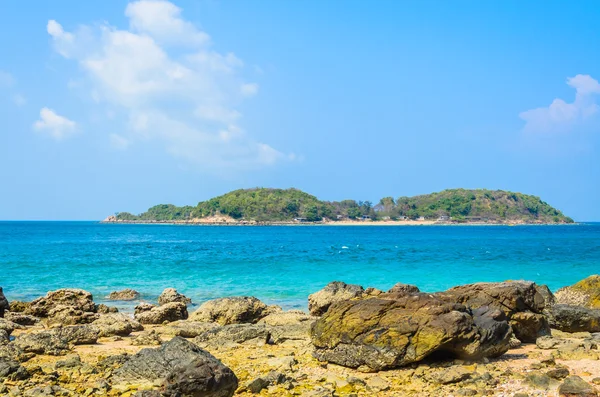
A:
<point x="285" y="205"/>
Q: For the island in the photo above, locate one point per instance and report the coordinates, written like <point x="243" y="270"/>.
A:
<point x="264" y="206"/>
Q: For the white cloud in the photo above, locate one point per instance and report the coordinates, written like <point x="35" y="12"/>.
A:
<point x="162" y="20"/>
<point x="249" y="89"/>
<point x="561" y="116"/>
<point x="118" y="142"/>
<point x="19" y="100"/>
<point x="172" y="86"/>
<point x="6" y="79"/>
<point x="58" y="127"/>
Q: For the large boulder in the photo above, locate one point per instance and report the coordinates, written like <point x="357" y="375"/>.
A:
<point x="583" y="293"/>
<point x="12" y="370"/>
<point x="574" y="318"/>
<point x="233" y="334"/>
<point x="3" y="303"/>
<point x="521" y="302"/>
<point x="171" y="295"/>
<point x="9" y="326"/>
<point x="336" y="291"/>
<point x="56" y="341"/>
<point x="234" y="310"/>
<point x="183" y="368"/>
<point x="149" y="314"/>
<point x="385" y="333"/>
<point x="65" y="306"/>
<point x="574" y="386"/>
<point x="126" y="294"/>
<point x="116" y="324"/>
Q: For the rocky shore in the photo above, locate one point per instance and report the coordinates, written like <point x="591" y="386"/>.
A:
<point x="514" y="338"/>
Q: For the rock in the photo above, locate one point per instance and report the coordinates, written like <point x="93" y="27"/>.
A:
<point x="272" y="378"/>
<point x="385" y="333"/>
<point x="234" y="334"/>
<point x="103" y="309"/>
<point x="159" y="314"/>
<point x="583" y="293"/>
<point x="336" y="291"/>
<point x="9" y="326"/>
<point x="19" y="306"/>
<point x="73" y="361"/>
<point x="150" y="338"/>
<point x="20" y="318"/>
<point x="186" y="329"/>
<point x="56" y="341"/>
<point x="126" y="294"/>
<point x="171" y="295"/>
<point x="65" y="306"/>
<point x="378" y="384"/>
<point x="234" y="310"/>
<point x="116" y="324"/>
<point x="574" y="318"/>
<point x="453" y="374"/>
<point x="514" y="343"/>
<point x="3" y="303"/>
<point x="184" y="369"/>
<point x="400" y="288"/>
<point x="4" y="338"/>
<point x="291" y="317"/>
<point x="511" y="297"/>
<point x="284" y="363"/>
<point x="282" y="333"/>
<point x="538" y="380"/>
<point x="549" y="298"/>
<point x="574" y="386"/>
<point x="558" y="373"/>
<point x="143" y="307"/>
<point x="529" y="326"/>
<point x="12" y="370"/>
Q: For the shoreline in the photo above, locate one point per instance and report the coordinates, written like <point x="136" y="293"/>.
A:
<point x="334" y="223"/>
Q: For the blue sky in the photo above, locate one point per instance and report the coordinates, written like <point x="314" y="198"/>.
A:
<point x="117" y="106"/>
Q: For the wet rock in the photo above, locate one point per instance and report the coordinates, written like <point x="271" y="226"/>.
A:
<point x="574" y="386"/>
<point x="513" y="298"/>
<point x="126" y="294"/>
<point x="65" y="306"/>
<point x="234" y="334"/>
<point x="20" y="318"/>
<point x="336" y="291"/>
<point x="400" y="288"/>
<point x="186" y="329"/>
<point x="116" y="324"/>
<point x="4" y="306"/>
<point x="12" y="370"/>
<point x="574" y="318"/>
<point x="159" y="314"/>
<point x="583" y="293"/>
<point x="150" y="338"/>
<point x="385" y="333"/>
<point x="234" y="310"/>
<point x="171" y="295"/>
<point x="184" y="369"/>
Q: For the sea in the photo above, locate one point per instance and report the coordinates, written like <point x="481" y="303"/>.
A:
<point x="283" y="264"/>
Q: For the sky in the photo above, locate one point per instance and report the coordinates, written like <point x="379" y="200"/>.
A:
<point x="111" y="106"/>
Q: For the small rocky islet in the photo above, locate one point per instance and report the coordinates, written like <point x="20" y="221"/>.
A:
<point x="513" y="338"/>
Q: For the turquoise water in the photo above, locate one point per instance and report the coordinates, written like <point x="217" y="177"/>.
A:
<point x="283" y="265"/>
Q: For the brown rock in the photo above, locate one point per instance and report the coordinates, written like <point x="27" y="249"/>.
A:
<point x="124" y="295"/>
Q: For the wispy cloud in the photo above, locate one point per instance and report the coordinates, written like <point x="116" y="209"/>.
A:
<point x="56" y="126"/>
<point x="165" y="76"/>
<point x="562" y="116"/>
<point x="6" y="79"/>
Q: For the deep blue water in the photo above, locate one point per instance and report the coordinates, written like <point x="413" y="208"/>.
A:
<point x="284" y="265"/>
